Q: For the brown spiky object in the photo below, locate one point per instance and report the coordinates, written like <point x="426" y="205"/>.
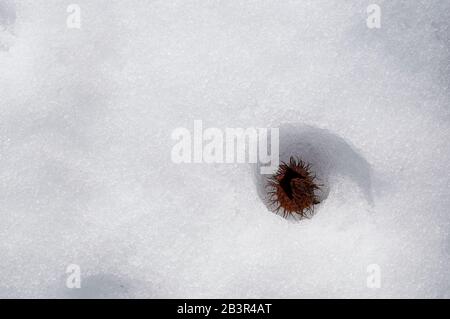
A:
<point x="292" y="190"/>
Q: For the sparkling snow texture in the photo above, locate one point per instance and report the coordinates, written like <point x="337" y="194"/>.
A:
<point x="86" y="175"/>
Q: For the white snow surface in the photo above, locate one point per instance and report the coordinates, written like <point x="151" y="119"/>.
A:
<point x="86" y="176"/>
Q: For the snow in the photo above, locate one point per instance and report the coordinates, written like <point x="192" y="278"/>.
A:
<point x="86" y="176"/>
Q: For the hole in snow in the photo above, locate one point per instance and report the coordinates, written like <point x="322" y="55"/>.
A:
<point x="327" y="153"/>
